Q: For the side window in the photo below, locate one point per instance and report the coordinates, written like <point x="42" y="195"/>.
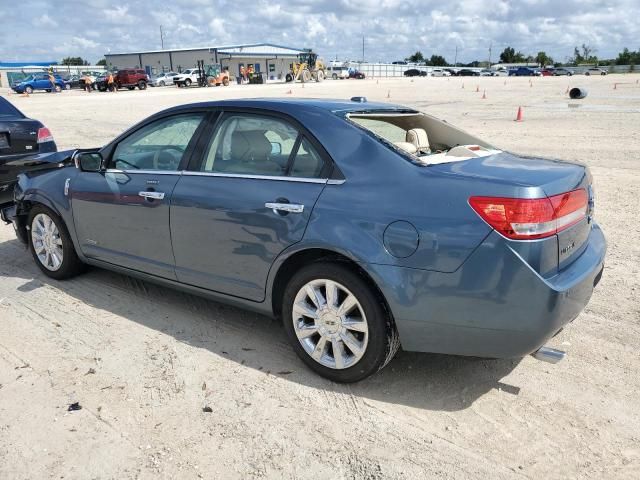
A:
<point x="250" y="145"/>
<point x="157" y="146"/>
<point x="307" y="162"/>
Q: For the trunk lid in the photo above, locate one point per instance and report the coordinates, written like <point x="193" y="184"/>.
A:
<point x="507" y="175"/>
<point x="18" y="136"/>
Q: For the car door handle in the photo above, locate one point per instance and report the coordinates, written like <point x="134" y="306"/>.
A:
<point x="285" y="207"/>
<point x="152" y="195"/>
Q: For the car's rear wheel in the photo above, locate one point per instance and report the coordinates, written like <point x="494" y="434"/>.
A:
<point x="142" y="85"/>
<point x="28" y="90"/>
<point x="187" y="83"/>
<point x="162" y="84"/>
<point x="338" y="325"/>
<point x="51" y="245"/>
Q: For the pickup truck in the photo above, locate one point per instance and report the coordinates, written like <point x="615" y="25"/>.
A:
<point x="186" y="78"/>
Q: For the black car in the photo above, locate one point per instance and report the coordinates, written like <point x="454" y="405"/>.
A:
<point x="358" y="75"/>
<point x="414" y="72"/>
<point x="21" y="139"/>
<point x="465" y="72"/>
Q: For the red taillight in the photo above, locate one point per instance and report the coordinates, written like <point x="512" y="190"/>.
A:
<point x="44" y="135"/>
<point x="526" y="219"/>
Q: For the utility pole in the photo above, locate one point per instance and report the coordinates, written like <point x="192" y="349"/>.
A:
<point x="161" y="38"/>
<point x="490" y="45"/>
<point x="363" y="49"/>
<point x="455" y="61"/>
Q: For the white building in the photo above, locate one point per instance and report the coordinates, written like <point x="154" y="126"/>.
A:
<point x="272" y="60"/>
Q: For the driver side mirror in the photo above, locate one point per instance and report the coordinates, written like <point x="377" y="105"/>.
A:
<point x="90" y="161"/>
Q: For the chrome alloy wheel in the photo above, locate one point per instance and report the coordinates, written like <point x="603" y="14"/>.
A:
<point x="330" y="324"/>
<point x="47" y="242"/>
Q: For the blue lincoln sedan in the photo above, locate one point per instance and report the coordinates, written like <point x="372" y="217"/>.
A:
<point x="365" y="226"/>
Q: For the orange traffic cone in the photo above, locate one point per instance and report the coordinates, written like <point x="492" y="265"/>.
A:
<point x="484" y="95"/>
<point x="519" y="115"/>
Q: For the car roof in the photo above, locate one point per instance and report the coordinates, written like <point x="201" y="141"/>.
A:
<point x="291" y="105"/>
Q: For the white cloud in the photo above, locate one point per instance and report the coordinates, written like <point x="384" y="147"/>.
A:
<point x="393" y="29"/>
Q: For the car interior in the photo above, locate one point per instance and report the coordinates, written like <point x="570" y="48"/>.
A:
<point x="426" y="139"/>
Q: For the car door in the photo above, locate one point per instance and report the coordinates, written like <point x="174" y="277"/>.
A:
<point x="121" y="215"/>
<point x="248" y="198"/>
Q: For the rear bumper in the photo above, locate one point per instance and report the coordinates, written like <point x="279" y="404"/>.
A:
<point x="494" y="305"/>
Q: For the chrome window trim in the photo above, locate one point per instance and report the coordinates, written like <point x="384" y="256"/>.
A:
<point x="255" y="177"/>
<point x="227" y="175"/>
<point x="145" y="172"/>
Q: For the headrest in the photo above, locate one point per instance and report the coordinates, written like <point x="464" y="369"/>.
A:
<point x="247" y="145"/>
<point x="419" y="138"/>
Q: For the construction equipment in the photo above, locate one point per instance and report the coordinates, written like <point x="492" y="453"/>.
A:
<point x="217" y="76"/>
<point x="309" y="67"/>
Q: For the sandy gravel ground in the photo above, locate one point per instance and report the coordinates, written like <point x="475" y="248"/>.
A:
<point x="143" y="361"/>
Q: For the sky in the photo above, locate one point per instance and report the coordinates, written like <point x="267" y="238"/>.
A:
<point x="393" y="29"/>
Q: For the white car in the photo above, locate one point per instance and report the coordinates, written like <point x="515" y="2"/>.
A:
<point x="338" y="73"/>
<point x="500" y="73"/>
<point x="439" y="72"/>
<point x="186" y="78"/>
<point x="163" y="79"/>
<point x="595" y="71"/>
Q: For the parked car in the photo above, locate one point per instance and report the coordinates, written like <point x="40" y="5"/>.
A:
<point x="561" y="71"/>
<point x="186" y="78"/>
<point x="358" y="75"/>
<point x="595" y="71"/>
<point x="399" y="62"/>
<point x="74" y="82"/>
<point x="501" y="72"/>
<point x="21" y="139"/>
<point x="414" y="72"/>
<point x="485" y="72"/>
<point x="465" y="72"/>
<point x="131" y="78"/>
<point x="163" y="79"/>
<point x="39" y="81"/>
<point x="546" y="72"/>
<point x="338" y="73"/>
<point x="102" y="82"/>
<point x="522" y="72"/>
<point x="267" y="204"/>
<point x="440" y="72"/>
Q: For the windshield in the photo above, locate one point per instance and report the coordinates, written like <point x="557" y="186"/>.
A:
<point x="8" y="110"/>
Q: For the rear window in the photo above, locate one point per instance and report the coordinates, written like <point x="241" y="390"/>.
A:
<point x="8" y="110"/>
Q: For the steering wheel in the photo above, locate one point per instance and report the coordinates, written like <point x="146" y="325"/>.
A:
<point x="160" y="164"/>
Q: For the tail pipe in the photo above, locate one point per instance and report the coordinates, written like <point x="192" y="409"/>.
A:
<point x="548" y="354"/>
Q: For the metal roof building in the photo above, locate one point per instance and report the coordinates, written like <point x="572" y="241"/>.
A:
<point x="272" y="60"/>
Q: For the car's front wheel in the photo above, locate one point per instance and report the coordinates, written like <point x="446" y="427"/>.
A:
<point x="338" y="325"/>
<point x="187" y="83"/>
<point x="51" y="245"/>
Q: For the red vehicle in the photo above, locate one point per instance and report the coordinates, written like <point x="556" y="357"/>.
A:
<point x="545" y="72"/>
<point x="132" y="78"/>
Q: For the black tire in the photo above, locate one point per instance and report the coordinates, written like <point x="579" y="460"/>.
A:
<point x="383" y="341"/>
<point x="57" y="88"/>
<point x="142" y="85"/>
<point x="187" y="83"/>
<point x="71" y="264"/>
<point x="334" y="76"/>
<point x="162" y="84"/>
<point x="288" y="78"/>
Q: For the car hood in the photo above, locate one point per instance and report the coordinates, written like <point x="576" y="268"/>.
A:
<point x="46" y="160"/>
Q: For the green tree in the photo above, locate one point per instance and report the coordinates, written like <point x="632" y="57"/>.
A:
<point x="438" y="61"/>
<point x="102" y="62"/>
<point x="509" y="55"/>
<point x="416" y="57"/>
<point x="543" y="59"/>
<point x="74" y="61"/>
